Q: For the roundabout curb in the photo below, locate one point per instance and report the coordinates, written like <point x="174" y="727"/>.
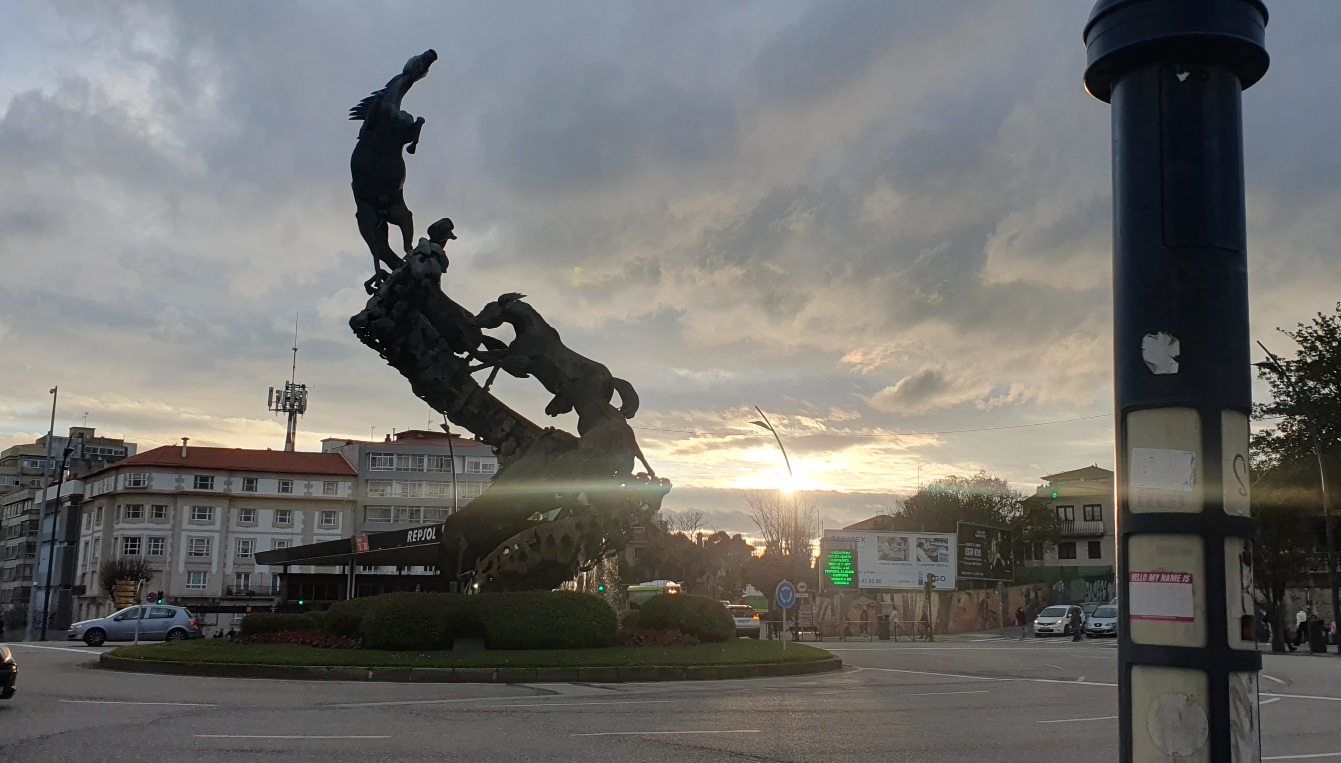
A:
<point x="640" y="673"/>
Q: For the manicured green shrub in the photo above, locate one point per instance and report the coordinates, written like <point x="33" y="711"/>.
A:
<point x="345" y="618"/>
<point x="628" y="620"/>
<point x="697" y="616"/>
<point x="319" y="618"/>
<point x="266" y="622"/>
<point x="547" y="620"/>
<point x="525" y="620"/>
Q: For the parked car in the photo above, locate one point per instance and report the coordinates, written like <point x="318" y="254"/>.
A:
<point x="9" y="673"/>
<point x="1055" y="620"/>
<point x="747" y="620"/>
<point x="159" y="622"/>
<point x="1103" y="622"/>
<point x="1088" y="608"/>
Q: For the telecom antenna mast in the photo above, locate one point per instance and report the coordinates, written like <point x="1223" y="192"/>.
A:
<point x="292" y="400"/>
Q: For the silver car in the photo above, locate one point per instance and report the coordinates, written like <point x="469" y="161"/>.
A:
<point x="1103" y="622"/>
<point x="155" y="622"/>
<point x="747" y="621"/>
<point x="1056" y="620"/>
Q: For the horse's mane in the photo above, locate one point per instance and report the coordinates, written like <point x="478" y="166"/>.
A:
<point x="360" y="111"/>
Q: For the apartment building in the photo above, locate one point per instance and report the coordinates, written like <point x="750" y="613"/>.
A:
<point x="1086" y="507"/>
<point x="198" y="515"/>
<point x="18" y="554"/>
<point x="22" y="466"/>
<point x="415" y="477"/>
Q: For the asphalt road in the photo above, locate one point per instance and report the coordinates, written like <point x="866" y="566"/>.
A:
<point x="970" y="698"/>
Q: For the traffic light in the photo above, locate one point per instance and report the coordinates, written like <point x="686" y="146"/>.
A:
<point x="1054" y="494"/>
<point x="301" y="602"/>
<point x="158" y="599"/>
<point x="600" y="588"/>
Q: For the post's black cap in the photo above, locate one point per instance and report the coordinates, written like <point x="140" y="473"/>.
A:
<point x="1124" y="34"/>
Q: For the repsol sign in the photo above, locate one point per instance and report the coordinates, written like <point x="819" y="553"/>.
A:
<point x="421" y="535"/>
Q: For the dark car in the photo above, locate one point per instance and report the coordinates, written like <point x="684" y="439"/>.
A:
<point x="9" y="673"/>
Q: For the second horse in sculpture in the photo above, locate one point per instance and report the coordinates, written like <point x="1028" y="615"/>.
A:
<point x="538" y="351"/>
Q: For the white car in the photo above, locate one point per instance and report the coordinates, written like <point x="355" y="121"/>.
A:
<point x="1056" y="620"/>
<point x="747" y="620"/>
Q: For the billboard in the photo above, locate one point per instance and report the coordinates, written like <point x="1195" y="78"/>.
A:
<point x="837" y="565"/>
<point x="900" y="560"/>
<point x="984" y="553"/>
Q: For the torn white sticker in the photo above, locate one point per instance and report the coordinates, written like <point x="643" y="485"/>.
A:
<point x="1160" y="469"/>
<point x="1160" y="352"/>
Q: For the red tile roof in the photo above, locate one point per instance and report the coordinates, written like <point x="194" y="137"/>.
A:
<point x="242" y="460"/>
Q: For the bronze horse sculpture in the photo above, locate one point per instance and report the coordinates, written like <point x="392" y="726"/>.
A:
<point x="378" y="168"/>
<point x="538" y="351"/>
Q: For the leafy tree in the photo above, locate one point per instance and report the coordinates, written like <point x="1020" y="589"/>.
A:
<point x="983" y="499"/>
<point x="122" y="568"/>
<point x="1284" y="512"/>
<point x="1307" y="389"/>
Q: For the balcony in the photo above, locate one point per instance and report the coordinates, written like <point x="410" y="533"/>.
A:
<point x="1076" y="528"/>
<point x="245" y="592"/>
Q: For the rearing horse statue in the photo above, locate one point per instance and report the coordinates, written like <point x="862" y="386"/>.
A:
<point x="378" y="168"/>
<point x="538" y="351"/>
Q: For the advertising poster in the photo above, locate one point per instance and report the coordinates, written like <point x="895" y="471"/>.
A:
<point x="901" y="560"/>
<point x="984" y="553"/>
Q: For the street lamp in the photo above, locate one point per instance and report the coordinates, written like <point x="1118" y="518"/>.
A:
<point x="1277" y="367"/>
<point x="55" y="528"/>
<point x="796" y="522"/>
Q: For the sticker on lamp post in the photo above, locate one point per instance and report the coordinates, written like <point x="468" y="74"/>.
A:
<point x="1165" y="596"/>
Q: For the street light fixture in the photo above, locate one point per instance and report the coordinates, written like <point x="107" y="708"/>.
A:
<point x="796" y="519"/>
<point x="1277" y="367"/>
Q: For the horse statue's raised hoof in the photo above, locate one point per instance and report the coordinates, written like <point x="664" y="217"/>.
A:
<point x="371" y="285"/>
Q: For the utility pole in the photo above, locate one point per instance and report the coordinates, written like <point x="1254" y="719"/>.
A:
<point x="1174" y="72"/>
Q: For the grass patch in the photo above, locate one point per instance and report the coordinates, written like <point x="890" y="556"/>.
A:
<point x="737" y="652"/>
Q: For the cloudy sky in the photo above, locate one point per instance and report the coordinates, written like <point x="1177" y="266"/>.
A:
<point x="885" y="223"/>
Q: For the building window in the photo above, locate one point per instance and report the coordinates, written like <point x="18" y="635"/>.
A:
<point x="1066" y="550"/>
<point x="157" y="546"/>
<point x="204" y="482"/>
<point x="1094" y="512"/>
<point x="410" y="463"/>
<point x="133" y="511"/>
<point x="481" y="466"/>
<point x="1096" y="549"/>
<point x="97" y="516"/>
<point x="381" y="462"/>
<point x="245" y="547"/>
<point x="286" y="486"/>
<point x="130" y="546"/>
<point x="139" y="479"/>
<point x="241" y="582"/>
<point x="1066" y="513"/>
<point x="199" y="546"/>
<point x="283" y="517"/>
<point x="468" y="490"/>
<point x="158" y="512"/>
<point x="246" y="516"/>
<point x="380" y="488"/>
<point x="330" y="519"/>
<point x="330" y="488"/>
<point x="196" y="580"/>
<point x="377" y="514"/>
<point x="438" y="464"/>
<point x="202" y="513"/>
<point x="276" y="545"/>
<point x="249" y="484"/>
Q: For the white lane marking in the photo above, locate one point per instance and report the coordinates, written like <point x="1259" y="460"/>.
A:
<point x="1269" y="701"/>
<point x="402" y="702"/>
<point x="55" y="648"/>
<point x="1077" y="720"/>
<point x="1049" y="664"/>
<point x="287" y="736"/>
<point x="1304" y="696"/>
<point x="120" y="702"/>
<point x="649" y="733"/>
<point x="1272" y="678"/>
<point x="942" y="693"/>
<point x="1303" y="757"/>
<point x="997" y="678"/>
<point x="1080" y="680"/>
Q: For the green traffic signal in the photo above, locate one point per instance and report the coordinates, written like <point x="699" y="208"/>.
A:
<point x="600" y="588"/>
<point x="300" y="602"/>
<point x="1054" y="494"/>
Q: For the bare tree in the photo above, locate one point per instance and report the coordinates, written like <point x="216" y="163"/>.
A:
<point x="122" y="568"/>
<point x="687" y="522"/>
<point x="789" y="522"/>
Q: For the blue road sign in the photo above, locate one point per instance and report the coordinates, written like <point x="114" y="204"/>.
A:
<point x="785" y="595"/>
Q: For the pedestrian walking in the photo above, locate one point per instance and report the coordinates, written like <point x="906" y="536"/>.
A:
<point x="1300" y="627"/>
<point x="1021" y="621"/>
<point x="1077" y="623"/>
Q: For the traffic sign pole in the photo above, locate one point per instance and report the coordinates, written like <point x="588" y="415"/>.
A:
<point x="785" y="597"/>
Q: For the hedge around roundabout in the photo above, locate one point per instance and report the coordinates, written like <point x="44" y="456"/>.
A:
<point x="742" y="658"/>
